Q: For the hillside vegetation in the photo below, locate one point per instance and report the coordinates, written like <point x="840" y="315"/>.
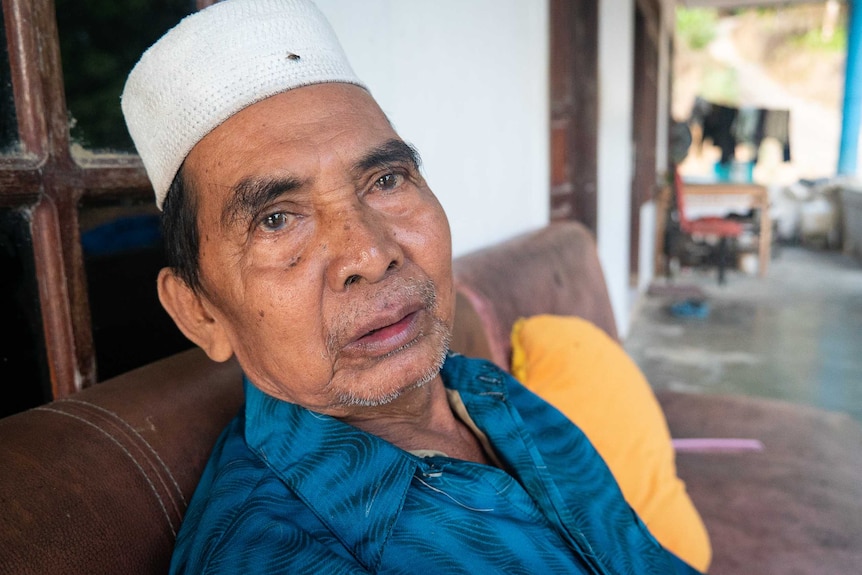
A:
<point x="795" y="45"/>
<point x="790" y="57"/>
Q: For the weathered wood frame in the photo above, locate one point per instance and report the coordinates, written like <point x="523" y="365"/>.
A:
<point x="46" y="180"/>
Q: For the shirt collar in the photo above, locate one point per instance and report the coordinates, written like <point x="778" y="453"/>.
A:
<point x="353" y="481"/>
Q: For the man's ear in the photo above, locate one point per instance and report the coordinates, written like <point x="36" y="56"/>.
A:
<point x="188" y="311"/>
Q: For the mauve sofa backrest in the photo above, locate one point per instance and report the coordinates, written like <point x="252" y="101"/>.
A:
<point x="554" y="270"/>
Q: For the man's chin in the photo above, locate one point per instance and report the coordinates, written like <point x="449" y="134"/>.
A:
<point x="351" y="400"/>
<point x="390" y="377"/>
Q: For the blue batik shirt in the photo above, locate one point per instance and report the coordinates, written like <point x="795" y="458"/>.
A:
<point x="288" y="490"/>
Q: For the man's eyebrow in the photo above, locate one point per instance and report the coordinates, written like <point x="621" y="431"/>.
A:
<point x="252" y="194"/>
<point x="393" y="151"/>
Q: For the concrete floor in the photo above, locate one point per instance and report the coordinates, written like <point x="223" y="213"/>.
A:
<point x="795" y="335"/>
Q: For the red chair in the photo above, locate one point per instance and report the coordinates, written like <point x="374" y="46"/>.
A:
<point x="727" y="231"/>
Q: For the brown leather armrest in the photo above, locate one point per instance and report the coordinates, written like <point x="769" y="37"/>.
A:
<point x="99" y="482"/>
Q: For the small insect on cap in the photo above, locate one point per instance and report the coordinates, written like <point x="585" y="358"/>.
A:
<point x="216" y="62"/>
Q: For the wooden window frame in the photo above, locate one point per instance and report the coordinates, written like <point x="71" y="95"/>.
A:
<point x="45" y="179"/>
<point x="645" y="85"/>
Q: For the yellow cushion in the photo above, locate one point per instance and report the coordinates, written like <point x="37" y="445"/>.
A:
<point x="576" y="367"/>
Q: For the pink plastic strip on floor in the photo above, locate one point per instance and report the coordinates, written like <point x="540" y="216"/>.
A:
<point x="711" y="444"/>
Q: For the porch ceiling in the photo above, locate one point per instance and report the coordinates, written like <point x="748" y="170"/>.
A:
<point x="741" y="3"/>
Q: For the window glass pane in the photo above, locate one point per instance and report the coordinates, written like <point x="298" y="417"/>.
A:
<point x="23" y="365"/>
<point x="123" y="254"/>
<point x="100" y="41"/>
<point x="8" y="120"/>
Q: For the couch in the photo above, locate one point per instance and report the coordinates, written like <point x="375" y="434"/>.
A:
<point x="98" y="483"/>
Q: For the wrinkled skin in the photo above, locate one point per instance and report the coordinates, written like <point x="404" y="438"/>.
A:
<point x="325" y="258"/>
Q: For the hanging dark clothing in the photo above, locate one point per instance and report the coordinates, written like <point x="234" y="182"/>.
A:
<point x="727" y="126"/>
<point x="716" y="123"/>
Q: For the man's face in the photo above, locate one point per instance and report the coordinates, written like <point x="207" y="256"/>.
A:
<point x="325" y="258"/>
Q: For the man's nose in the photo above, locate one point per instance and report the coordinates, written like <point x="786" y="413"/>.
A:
<point x="364" y="247"/>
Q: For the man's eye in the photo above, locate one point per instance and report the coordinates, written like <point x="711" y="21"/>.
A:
<point x="274" y="222"/>
<point x="389" y="181"/>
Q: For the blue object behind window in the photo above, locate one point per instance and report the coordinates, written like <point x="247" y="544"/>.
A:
<point x="122" y="235"/>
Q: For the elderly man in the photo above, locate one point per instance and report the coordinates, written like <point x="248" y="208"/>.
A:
<point x="305" y="242"/>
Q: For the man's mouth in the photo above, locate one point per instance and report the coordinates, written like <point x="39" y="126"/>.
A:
<point x="394" y="318"/>
<point x="388" y="330"/>
<point x="386" y="333"/>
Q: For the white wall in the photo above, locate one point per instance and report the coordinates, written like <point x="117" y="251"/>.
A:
<point x="616" y="79"/>
<point x="466" y="82"/>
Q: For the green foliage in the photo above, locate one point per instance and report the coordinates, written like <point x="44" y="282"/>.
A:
<point x="720" y="84"/>
<point x="696" y="26"/>
<point x="814" y="40"/>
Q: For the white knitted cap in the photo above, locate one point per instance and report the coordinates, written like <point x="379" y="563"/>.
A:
<point x="216" y="62"/>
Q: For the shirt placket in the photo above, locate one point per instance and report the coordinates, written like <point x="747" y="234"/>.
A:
<point x="532" y="474"/>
